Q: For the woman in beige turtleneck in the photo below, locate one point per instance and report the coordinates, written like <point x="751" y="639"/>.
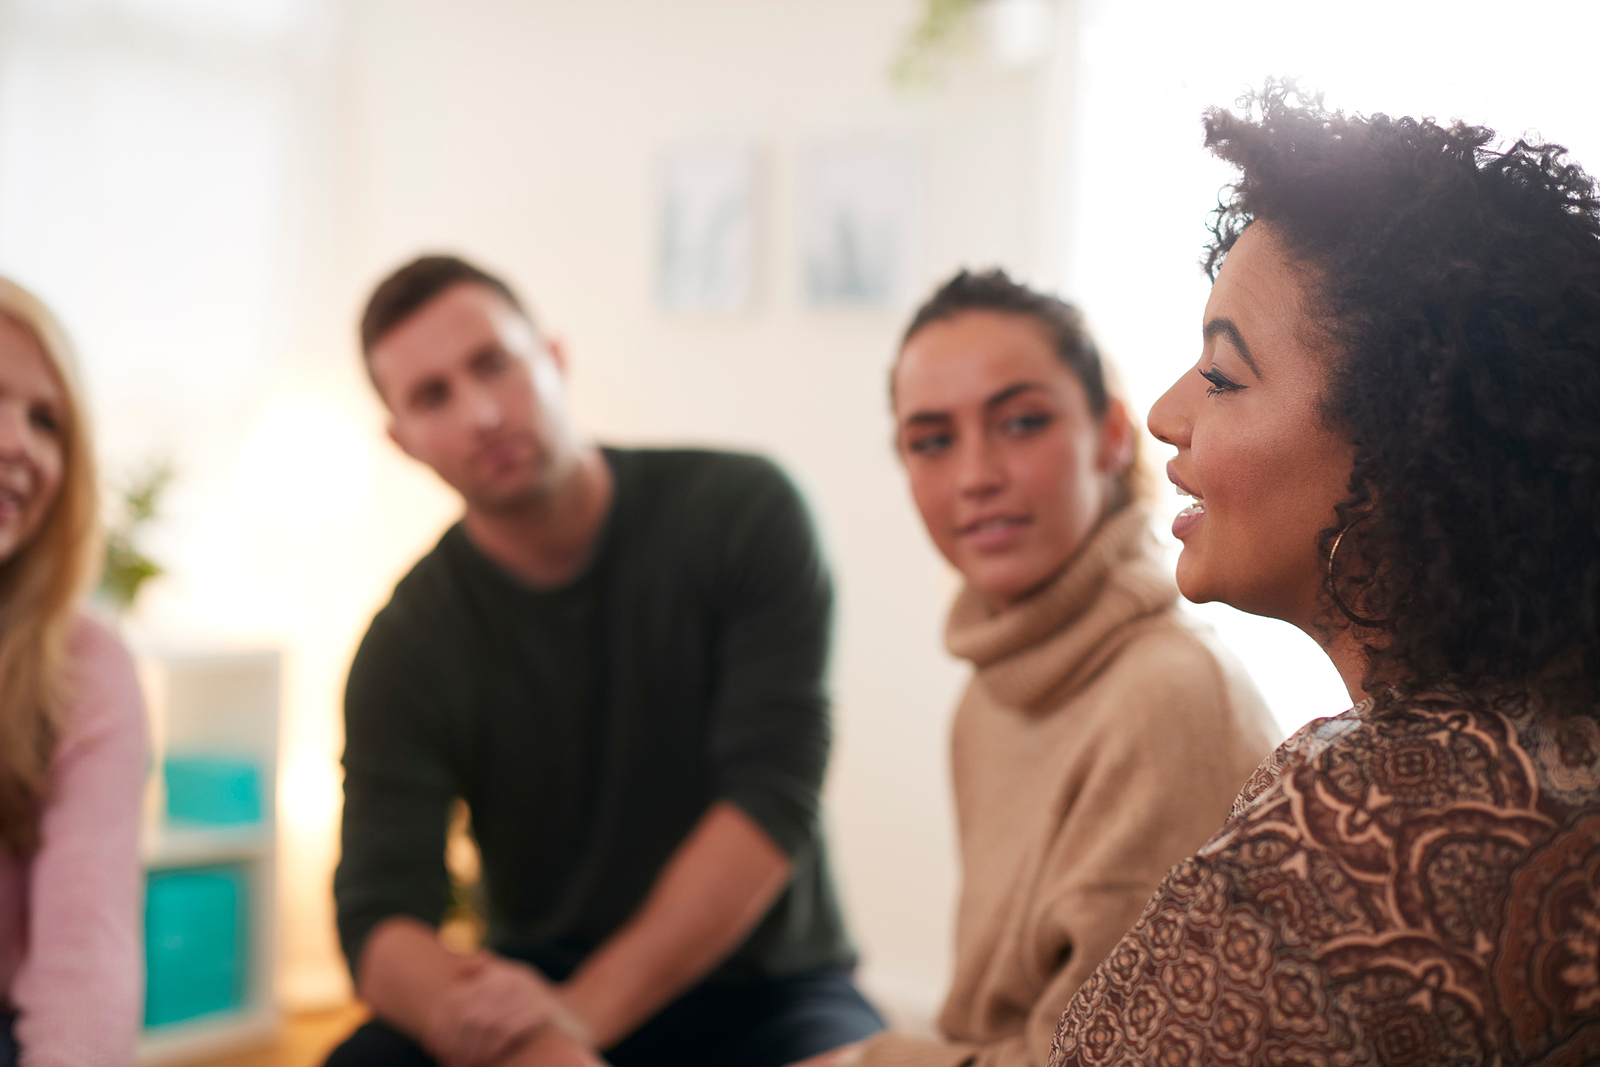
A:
<point x="1104" y="735"/>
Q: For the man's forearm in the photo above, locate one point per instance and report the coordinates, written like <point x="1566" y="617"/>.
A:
<point x="404" y="972"/>
<point x="553" y="1048"/>
<point x="713" y="891"/>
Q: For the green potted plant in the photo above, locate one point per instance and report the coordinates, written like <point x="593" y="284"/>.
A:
<point x="126" y="569"/>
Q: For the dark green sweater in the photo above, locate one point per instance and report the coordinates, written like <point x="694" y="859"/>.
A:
<point x="588" y="727"/>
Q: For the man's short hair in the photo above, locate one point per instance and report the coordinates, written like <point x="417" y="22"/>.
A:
<point x="403" y="293"/>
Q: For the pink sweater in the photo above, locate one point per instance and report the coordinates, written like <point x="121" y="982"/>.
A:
<point x="69" y="918"/>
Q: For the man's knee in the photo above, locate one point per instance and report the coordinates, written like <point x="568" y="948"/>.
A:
<point x="803" y="1016"/>
<point x="375" y="1044"/>
<point x="822" y="1013"/>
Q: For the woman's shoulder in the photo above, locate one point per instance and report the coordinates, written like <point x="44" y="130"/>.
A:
<point x="1436" y="803"/>
<point x="1300" y="746"/>
<point x="1401" y="758"/>
<point x="103" y="691"/>
<point x="1388" y="763"/>
<point x="92" y="638"/>
<point x="1431" y="851"/>
<point x="1172" y="663"/>
<point x="1162" y="653"/>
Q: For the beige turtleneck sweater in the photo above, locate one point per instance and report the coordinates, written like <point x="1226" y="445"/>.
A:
<point x="1102" y="739"/>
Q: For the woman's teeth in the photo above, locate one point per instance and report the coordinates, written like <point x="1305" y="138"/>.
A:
<point x="1196" y="507"/>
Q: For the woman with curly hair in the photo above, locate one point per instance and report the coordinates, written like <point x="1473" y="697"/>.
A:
<point x="1392" y="438"/>
<point x="72" y="742"/>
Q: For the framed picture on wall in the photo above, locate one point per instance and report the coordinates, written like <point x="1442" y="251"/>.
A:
<point x="706" y="227"/>
<point x="857" y="221"/>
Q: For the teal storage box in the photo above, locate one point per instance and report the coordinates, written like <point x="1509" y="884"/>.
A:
<point x="196" y="953"/>
<point x="213" y="790"/>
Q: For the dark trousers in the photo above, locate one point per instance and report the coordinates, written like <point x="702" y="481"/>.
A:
<point x="759" y="1022"/>
<point x="9" y="1051"/>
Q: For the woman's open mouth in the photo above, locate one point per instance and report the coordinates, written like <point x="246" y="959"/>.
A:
<point x="1187" y="519"/>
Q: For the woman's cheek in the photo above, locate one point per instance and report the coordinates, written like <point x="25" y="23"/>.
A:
<point x="1208" y="466"/>
<point x="933" y="505"/>
<point x="1049" y="468"/>
<point x="1242" y="464"/>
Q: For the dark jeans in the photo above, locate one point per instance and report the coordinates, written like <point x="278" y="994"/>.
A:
<point x="10" y="1053"/>
<point x="761" y="1022"/>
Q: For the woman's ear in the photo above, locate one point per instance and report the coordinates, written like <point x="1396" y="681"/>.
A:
<point x="558" y="353"/>
<point x="1117" y="438"/>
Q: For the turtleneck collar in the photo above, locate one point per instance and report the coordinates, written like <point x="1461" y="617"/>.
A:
<point x="1056" y="638"/>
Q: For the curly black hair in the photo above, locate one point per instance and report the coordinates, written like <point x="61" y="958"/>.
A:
<point x="1458" y="286"/>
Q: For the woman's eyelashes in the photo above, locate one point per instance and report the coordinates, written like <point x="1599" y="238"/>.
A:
<point x="929" y="444"/>
<point x="44" y="420"/>
<point x="936" y="442"/>
<point x="1220" y="383"/>
<point x="1026" y="424"/>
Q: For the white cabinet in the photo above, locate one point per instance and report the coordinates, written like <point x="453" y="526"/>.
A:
<point x="221" y="707"/>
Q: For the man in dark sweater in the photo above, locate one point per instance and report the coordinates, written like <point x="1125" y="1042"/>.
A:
<point x="616" y="659"/>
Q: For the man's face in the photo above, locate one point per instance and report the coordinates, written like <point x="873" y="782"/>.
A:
<point x="475" y="394"/>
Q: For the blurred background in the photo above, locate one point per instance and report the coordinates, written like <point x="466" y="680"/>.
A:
<point x="726" y="209"/>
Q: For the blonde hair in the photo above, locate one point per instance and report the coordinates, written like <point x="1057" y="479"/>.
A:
<point x="40" y="586"/>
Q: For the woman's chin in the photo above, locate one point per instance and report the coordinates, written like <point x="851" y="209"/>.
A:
<point x="1192" y="579"/>
<point x="1002" y="587"/>
<point x="12" y="541"/>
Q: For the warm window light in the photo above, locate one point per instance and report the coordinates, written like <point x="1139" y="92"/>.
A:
<point x="254" y="18"/>
<point x="305" y="466"/>
<point x="308" y="794"/>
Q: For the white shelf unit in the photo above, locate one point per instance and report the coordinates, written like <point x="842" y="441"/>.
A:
<point x="217" y="704"/>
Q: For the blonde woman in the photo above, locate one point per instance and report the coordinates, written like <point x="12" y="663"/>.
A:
<point x="72" y="734"/>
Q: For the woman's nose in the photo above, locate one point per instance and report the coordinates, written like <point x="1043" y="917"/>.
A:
<point x="1171" y="418"/>
<point x="13" y="429"/>
<point x="980" y="471"/>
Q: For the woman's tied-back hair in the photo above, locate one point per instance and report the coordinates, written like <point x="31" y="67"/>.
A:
<point x="39" y="590"/>
<point x="1456" y="289"/>
<point x="1064" y="326"/>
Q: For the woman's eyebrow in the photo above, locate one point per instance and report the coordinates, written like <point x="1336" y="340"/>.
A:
<point x="1226" y="328"/>
<point x="1010" y="391"/>
<point x="992" y="402"/>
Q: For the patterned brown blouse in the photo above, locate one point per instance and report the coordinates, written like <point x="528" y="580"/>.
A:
<point x="1420" y="886"/>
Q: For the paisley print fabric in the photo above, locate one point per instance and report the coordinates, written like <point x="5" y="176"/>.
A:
<point x="1415" y="885"/>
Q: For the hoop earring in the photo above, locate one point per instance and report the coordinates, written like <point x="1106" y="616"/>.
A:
<point x="1333" y="590"/>
<point x="1334" y="551"/>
